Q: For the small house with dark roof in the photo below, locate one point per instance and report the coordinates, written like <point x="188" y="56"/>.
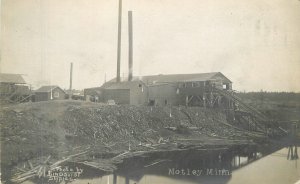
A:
<point x="46" y="93"/>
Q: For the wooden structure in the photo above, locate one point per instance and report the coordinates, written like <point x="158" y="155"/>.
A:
<point x="181" y="89"/>
<point x="133" y="93"/>
<point x="93" y="94"/>
<point x="13" y="89"/>
<point x="128" y="92"/>
<point x="188" y="89"/>
<point x="46" y="93"/>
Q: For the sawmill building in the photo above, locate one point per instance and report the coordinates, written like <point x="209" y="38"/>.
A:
<point x="176" y="89"/>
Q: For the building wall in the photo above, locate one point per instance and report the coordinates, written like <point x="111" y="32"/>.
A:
<point x="120" y="96"/>
<point x="176" y="94"/>
<point x="164" y="94"/>
<point x="139" y="95"/>
<point x="192" y="91"/>
<point x="136" y="94"/>
<point x="9" y="88"/>
<point x="91" y="93"/>
<point x="57" y="94"/>
<point x="41" y="97"/>
<point x="221" y="80"/>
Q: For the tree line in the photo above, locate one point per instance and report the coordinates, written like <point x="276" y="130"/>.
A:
<point x="271" y="96"/>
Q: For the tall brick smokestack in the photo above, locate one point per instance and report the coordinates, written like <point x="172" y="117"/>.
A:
<point x="119" y="41"/>
<point x="130" y="57"/>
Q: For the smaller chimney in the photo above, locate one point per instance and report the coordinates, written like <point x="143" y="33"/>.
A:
<point x="130" y="57"/>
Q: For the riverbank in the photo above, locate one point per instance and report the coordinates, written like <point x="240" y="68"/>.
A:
<point x="36" y="137"/>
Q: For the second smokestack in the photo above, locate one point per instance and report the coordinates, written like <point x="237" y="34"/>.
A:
<point x="130" y="48"/>
<point x="118" y="79"/>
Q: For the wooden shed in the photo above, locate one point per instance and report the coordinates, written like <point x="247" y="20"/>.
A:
<point x="46" y="93"/>
<point x="129" y="92"/>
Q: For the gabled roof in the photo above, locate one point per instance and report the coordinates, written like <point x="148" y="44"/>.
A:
<point x="11" y="78"/>
<point x="170" y="78"/>
<point x="47" y="89"/>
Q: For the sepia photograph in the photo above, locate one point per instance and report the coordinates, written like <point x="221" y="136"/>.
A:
<point x="150" y="92"/>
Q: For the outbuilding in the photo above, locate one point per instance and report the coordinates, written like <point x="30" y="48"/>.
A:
<point x="129" y="92"/>
<point x="46" y="93"/>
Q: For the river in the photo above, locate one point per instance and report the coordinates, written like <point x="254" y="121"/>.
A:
<point x="245" y="166"/>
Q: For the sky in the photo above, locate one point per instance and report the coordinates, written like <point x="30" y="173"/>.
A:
<point x="256" y="43"/>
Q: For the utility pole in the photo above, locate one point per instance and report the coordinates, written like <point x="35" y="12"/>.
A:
<point x="71" y="75"/>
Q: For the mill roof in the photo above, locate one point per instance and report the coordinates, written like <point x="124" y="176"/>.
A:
<point x="11" y="78"/>
<point x="170" y="78"/>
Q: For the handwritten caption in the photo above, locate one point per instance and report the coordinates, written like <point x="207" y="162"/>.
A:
<point x="66" y="173"/>
<point x="199" y="172"/>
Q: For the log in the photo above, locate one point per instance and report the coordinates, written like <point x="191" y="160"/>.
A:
<point x="22" y="170"/>
<point x="34" y="170"/>
<point x="47" y="159"/>
<point x="30" y="164"/>
<point x="156" y="163"/>
<point x="120" y="155"/>
<point x="16" y="180"/>
<point x="101" y="166"/>
<point x="77" y="154"/>
<point x="147" y="146"/>
<point x="39" y="171"/>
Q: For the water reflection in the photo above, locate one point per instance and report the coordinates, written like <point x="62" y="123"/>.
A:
<point x="292" y="153"/>
<point x="273" y="168"/>
<point x="197" y="166"/>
